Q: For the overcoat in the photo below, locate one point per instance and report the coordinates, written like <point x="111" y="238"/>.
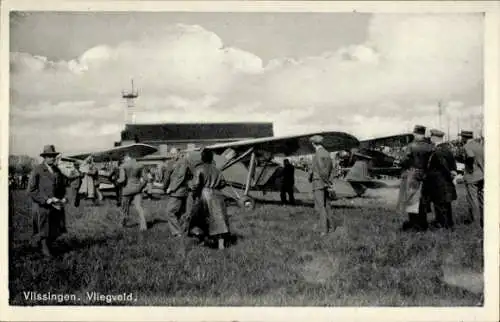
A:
<point x="209" y="200"/>
<point x="48" y="222"/>
<point x="438" y="185"/>
<point x="414" y="164"/>
<point x="88" y="185"/>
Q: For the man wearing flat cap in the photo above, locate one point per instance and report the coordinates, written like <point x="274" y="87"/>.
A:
<point x="320" y="177"/>
<point x="473" y="159"/>
<point x="439" y="185"/>
<point x="47" y="189"/>
<point x="411" y="201"/>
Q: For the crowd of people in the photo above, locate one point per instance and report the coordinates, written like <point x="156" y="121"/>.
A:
<point x="185" y="184"/>
<point x="429" y="178"/>
<point x="196" y="206"/>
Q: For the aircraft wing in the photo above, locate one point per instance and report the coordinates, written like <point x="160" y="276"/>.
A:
<point x="137" y="150"/>
<point x="289" y="145"/>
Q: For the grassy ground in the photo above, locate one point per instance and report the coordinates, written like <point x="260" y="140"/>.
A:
<point x="278" y="259"/>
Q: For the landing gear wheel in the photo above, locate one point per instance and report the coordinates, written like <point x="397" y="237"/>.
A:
<point x="247" y="203"/>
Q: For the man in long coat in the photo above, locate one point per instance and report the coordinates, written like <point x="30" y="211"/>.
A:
<point x="473" y="158"/>
<point x="133" y="182"/>
<point x="411" y="201"/>
<point x="320" y="178"/>
<point x="47" y="189"/>
<point x="287" y="182"/>
<point x="439" y="185"/>
<point x="176" y="182"/>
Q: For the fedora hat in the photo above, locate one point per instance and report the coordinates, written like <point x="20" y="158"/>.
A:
<point x="49" y="150"/>
<point x="419" y="129"/>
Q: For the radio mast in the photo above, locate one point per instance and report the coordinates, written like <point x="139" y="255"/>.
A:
<point x="130" y="97"/>
<point x="440" y="113"/>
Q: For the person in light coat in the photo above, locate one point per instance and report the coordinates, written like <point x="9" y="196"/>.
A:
<point x="320" y="176"/>
<point x="473" y="158"/>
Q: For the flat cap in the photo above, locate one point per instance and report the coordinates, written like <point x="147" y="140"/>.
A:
<point x="466" y="134"/>
<point x="437" y="133"/>
<point x="316" y="139"/>
<point x="419" y="129"/>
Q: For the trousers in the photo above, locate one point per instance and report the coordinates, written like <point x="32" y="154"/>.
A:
<point x="176" y="207"/>
<point x="324" y="209"/>
<point x="475" y="201"/>
<point x="137" y="201"/>
<point x="287" y="190"/>
<point x="444" y="214"/>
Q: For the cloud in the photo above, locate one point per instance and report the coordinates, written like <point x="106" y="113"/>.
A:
<point x="185" y="73"/>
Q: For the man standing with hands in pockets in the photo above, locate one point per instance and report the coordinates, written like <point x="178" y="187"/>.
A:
<point x="319" y="176"/>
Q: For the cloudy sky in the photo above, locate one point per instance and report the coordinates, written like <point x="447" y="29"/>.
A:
<point x="369" y="75"/>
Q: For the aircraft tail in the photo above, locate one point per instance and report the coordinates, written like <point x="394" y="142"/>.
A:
<point x="358" y="172"/>
<point x="359" y="176"/>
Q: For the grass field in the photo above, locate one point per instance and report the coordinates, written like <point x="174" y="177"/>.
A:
<point x="278" y="259"/>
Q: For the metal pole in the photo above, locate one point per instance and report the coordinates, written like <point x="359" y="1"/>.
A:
<point x="250" y="174"/>
<point x="439" y="113"/>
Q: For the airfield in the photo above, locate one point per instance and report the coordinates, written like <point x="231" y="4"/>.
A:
<point x="276" y="257"/>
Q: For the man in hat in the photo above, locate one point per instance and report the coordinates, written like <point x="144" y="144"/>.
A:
<point x="176" y="183"/>
<point x="133" y="182"/>
<point x="47" y="189"/>
<point x="410" y="199"/>
<point x="439" y="185"/>
<point x="320" y="177"/>
<point x="473" y="159"/>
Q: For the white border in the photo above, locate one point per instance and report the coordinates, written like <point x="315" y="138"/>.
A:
<point x="491" y="72"/>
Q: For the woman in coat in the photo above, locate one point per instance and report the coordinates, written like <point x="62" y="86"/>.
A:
<point x="207" y="184"/>
<point x="89" y="181"/>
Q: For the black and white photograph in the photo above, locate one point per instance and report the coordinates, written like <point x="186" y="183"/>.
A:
<point x="249" y="158"/>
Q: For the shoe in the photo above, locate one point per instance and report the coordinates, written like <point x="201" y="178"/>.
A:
<point x="45" y="249"/>
<point x="221" y="243"/>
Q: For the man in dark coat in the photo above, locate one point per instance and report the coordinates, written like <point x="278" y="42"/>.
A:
<point x="320" y="177"/>
<point x="287" y="182"/>
<point x="176" y="179"/>
<point x="411" y="201"/>
<point x="133" y="182"/>
<point x="47" y="189"/>
<point x="439" y="185"/>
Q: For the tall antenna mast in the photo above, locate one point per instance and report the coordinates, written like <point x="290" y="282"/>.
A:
<point x="130" y="97"/>
<point x="440" y="113"/>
